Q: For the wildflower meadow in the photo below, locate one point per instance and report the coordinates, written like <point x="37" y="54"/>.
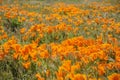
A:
<point x="59" y="40"/>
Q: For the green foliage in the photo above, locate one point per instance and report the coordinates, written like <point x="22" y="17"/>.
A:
<point x="12" y="25"/>
<point x="14" y="70"/>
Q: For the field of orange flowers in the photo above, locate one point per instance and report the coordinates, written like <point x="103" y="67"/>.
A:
<point x="59" y="41"/>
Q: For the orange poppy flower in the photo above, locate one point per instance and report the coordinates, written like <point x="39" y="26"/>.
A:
<point x="25" y="57"/>
<point x="114" y="76"/>
<point x="15" y="55"/>
<point x="16" y="47"/>
<point x="101" y="69"/>
<point x="22" y="30"/>
<point x="48" y="73"/>
<point x="44" y="54"/>
<point x="26" y="65"/>
<point x="66" y="65"/>
<point x="38" y="76"/>
<point x="79" y="77"/>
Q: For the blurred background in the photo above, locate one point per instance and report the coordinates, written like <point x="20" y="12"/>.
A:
<point x="67" y="1"/>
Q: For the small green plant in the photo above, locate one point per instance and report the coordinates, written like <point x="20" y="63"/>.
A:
<point x="12" y="25"/>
